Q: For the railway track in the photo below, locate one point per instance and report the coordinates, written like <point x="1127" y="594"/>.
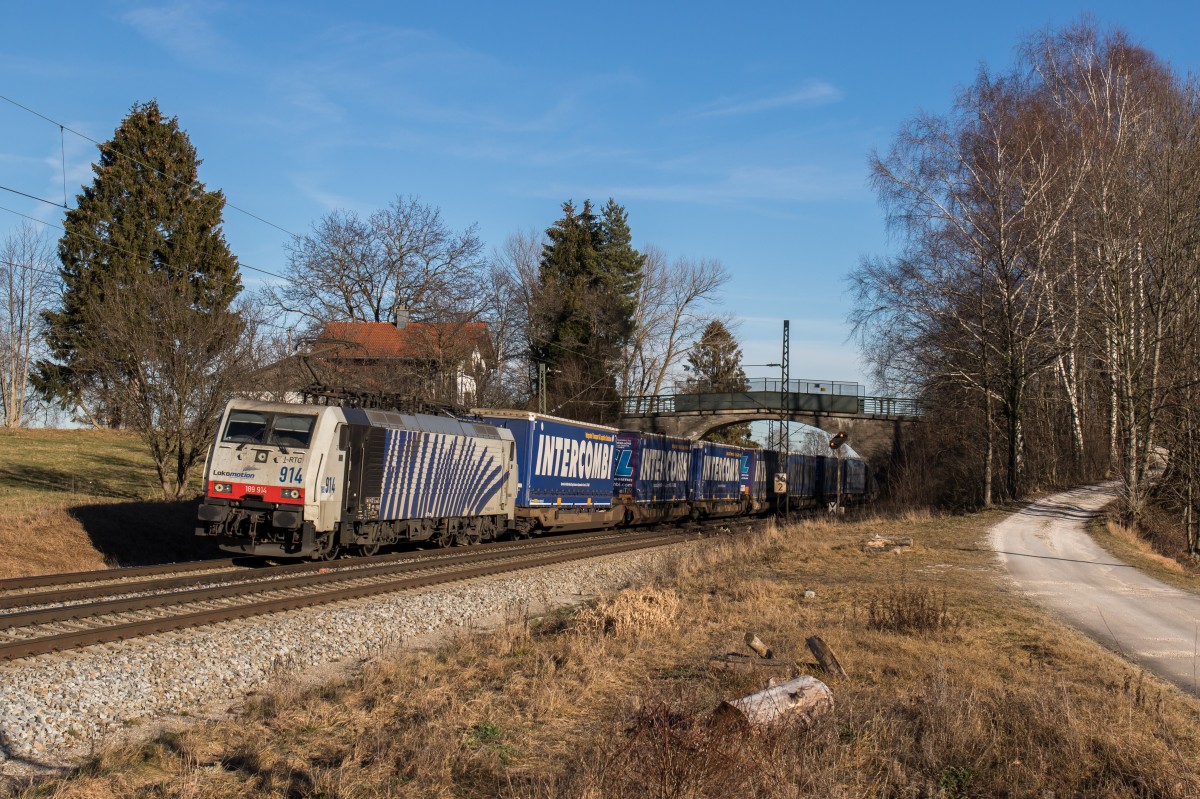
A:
<point x="41" y="622"/>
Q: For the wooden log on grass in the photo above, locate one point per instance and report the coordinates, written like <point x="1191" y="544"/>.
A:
<point x="777" y="667"/>
<point x="755" y="643"/>
<point x="824" y="655"/>
<point x="802" y="699"/>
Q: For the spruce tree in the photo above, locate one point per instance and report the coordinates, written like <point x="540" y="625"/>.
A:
<point x="145" y="215"/>
<point x="145" y="337"/>
<point x="621" y="271"/>
<point x="715" y="365"/>
<point x="587" y="298"/>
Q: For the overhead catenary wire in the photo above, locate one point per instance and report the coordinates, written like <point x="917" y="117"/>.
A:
<point x="65" y="129"/>
<point x="55" y="274"/>
<point x="264" y="323"/>
<point x="107" y="148"/>
<point x="33" y="197"/>
<point x="241" y="264"/>
<point x="169" y="267"/>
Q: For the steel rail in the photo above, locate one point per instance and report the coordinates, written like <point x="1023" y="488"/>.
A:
<point x="99" y="575"/>
<point x="311" y="578"/>
<point x="498" y="565"/>
<point x="246" y="574"/>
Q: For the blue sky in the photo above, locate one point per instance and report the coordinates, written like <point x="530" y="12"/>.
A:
<point x="734" y="132"/>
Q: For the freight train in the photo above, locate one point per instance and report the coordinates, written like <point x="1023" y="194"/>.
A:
<point x="312" y="481"/>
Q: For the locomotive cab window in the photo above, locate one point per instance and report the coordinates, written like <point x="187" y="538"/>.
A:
<point x="273" y="429"/>
<point x="292" y="431"/>
<point x="246" y="427"/>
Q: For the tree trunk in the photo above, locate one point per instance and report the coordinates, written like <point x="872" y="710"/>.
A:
<point x="989" y="447"/>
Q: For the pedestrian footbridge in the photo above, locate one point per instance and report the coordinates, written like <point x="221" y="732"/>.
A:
<point x="832" y="406"/>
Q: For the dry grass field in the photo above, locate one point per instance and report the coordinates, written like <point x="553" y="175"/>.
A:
<point x="955" y="687"/>
<point x="72" y="500"/>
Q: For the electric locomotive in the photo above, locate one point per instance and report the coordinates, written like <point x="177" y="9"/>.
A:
<point x="308" y="481"/>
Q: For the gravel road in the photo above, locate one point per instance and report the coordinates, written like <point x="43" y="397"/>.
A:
<point x="1052" y="559"/>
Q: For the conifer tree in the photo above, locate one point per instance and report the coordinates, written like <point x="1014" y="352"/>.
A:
<point x="145" y="337"/>
<point x="589" y="278"/>
<point x="715" y="365"/>
<point x="145" y="214"/>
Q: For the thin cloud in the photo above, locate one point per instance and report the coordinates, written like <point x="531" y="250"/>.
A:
<point x="184" y="28"/>
<point x="738" y="186"/>
<point x="815" y="92"/>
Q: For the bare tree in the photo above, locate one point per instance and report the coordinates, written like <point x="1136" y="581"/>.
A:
<point x="960" y="189"/>
<point x="510" y="291"/>
<point x="401" y="261"/>
<point x="1051" y="270"/>
<point x="171" y="367"/>
<point x="28" y="280"/>
<point x="672" y="309"/>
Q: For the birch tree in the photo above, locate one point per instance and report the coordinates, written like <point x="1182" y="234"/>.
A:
<point x="28" y="282"/>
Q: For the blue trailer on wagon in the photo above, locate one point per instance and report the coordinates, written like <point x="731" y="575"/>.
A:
<point x="564" y="471"/>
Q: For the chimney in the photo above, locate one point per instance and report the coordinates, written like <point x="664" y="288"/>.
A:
<point x="401" y="317"/>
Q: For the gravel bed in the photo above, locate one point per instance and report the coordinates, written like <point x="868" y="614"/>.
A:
<point x="55" y="709"/>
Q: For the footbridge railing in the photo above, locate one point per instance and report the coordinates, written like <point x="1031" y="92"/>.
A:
<point x="770" y="402"/>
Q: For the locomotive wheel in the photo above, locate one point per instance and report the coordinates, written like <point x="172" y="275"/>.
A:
<point x="374" y="540"/>
<point x="325" y="548"/>
<point x="487" y="529"/>
<point x="446" y="535"/>
<point x="469" y="533"/>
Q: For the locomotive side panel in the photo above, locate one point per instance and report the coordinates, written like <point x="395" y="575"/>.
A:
<point x="418" y="475"/>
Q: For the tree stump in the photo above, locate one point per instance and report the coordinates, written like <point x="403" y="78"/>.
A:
<point x="755" y="643"/>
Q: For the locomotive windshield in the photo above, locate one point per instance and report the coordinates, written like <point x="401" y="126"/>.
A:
<point x="276" y="429"/>
<point x="247" y="427"/>
<point x="291" y="431"/>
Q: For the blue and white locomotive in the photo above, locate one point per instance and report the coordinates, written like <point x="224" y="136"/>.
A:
<point x="311" y="481"/>
<point x="288" y="480"/>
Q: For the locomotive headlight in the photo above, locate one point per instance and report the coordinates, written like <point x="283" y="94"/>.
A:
<point x="291" y="493"/>
<point x="223" y="488"/>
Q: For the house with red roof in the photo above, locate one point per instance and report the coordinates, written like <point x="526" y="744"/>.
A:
<point x="434" y="361"/>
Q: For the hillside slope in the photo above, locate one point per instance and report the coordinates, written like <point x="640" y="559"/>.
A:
<point x="73" y="500"/>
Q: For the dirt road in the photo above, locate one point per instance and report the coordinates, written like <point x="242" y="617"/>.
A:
<point x="1052" y="559"/>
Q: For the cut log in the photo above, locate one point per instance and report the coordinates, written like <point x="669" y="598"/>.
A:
<point x="824" y="655"/>
<point x="803" y="698"/>
<point x="779" y="667"/>
<point x="755" y="643"/>
<point x="879" y="544"/>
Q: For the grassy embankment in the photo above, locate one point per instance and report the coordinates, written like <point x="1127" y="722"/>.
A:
<point x="73" y="500"/>
<point x="956" y="687"/>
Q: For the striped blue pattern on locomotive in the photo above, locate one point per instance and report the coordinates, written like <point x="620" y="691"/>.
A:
<point x="436" y="475"/>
